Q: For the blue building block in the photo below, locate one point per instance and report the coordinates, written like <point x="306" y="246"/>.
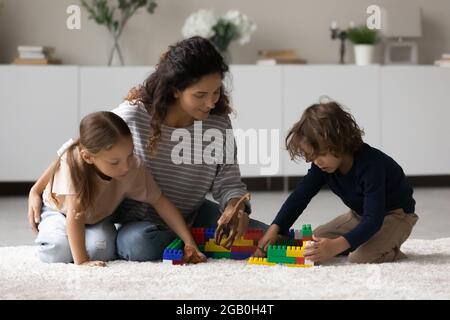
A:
<point x="173" y="254"/>
<point x="209" y="233"/>
<point x="240" y="255"/>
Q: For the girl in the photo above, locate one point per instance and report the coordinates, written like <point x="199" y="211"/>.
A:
<point x="368" y="181"/>
<point x="89" y="180"/>
<point x="185" y="91"/>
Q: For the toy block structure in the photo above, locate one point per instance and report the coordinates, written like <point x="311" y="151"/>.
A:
<point x="241" y="249"/>
<point x="173" y="254"/>
<point x="289" y="251"/>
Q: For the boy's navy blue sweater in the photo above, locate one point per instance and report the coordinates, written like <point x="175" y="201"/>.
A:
<point x="374" y="185"/>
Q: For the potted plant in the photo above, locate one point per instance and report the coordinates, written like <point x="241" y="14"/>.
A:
<point x="221" y="31"/>
<point x="115" y="17"/>
<point x="364" y="40"/>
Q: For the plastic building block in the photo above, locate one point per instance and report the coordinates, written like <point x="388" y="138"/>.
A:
<point x="241" y="255"/>
<point x="241" y="242"/>
<point x="247" y="249"/>
<point x="176" y="244"/>
<point x="300" y="260"/>
<point x="221" y="255"/>
<point x="173" y="254"/>
<point x="298" y="265"/>
<point x="306" y="232"/>
<point x="253" y="234"/>
<point x="276" y="251"/>
<point x="174" y="250"/>
<point x="294" y="252"/>
<point x="211" y="246"/>
<point x="209" y="233"/>
<point x="292" y="233"/>
<point x="260" y="261"/>
<point x="199" y="235"/>
<point x="289" y="251"/>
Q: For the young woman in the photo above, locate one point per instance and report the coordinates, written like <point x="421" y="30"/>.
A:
<point x="186" y="87"/>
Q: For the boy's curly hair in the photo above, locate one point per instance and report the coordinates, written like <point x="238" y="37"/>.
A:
<point x="324" y="127"/>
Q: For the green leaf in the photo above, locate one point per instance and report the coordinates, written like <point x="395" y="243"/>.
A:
<point x="151" y="6"/>
<point x="362" y="35"/>
<point x="225" y="32"/>
<point x="102" y="12"/>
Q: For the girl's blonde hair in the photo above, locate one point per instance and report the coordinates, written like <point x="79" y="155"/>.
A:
<point x="325" y="127"/>
<point x="98" y="131"/>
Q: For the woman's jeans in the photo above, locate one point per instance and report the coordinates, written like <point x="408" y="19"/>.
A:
<point x="144" y="241"/>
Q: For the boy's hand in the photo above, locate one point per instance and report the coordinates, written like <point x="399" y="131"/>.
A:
<point x="270" y="237"/>
<point x="193" y="255"/>
<point x="34" y="210"/>
<point x="323" y="249"/>
<point x="93" y="264"/>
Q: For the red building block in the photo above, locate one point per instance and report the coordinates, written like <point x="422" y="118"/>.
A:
<point x="249" y="249"/>
<point x="300" y="260"/>
<point x="199" y="235"/>
<point x="253" y="234"/>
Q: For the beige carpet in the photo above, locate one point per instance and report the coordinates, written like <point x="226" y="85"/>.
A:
<point x="425" y="275"/>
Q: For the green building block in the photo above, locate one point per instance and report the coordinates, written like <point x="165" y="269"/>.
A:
<point x="221" y="255"/>
<point x="279" y="259"/>
<point x="176" y="244"/>
<point x="306" y="230"/>
<point x="276" y="251"/>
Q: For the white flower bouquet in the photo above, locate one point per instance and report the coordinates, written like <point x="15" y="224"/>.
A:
<point x="233" y="26"/>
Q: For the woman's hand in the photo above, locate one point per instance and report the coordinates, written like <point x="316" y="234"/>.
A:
<point x="93" y="264"/>
<point x="233" y="222"/>
<point x="192" y="254"/>
<point x="34" y="210"/>
<point x="270" y="237"/>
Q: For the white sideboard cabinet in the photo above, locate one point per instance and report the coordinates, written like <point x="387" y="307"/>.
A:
<point x="404" y="110"/>
<point x="38" y="111"/>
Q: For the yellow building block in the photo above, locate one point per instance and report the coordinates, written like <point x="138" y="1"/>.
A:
<point x="210" y="246"/>
<point x="240" y="242"/>
<point x="260" y="261"/>
<point x="294" y="251"/>
<point x="297" y="265"/>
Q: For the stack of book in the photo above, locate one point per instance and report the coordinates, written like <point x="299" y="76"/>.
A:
<point x="444" y="61"/>
<point x="35" y="55"/>
<point x="273" y="57"/>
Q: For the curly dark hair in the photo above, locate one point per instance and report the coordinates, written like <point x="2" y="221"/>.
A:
<point x="325" y="127"/>
<point x="181" y="66"/>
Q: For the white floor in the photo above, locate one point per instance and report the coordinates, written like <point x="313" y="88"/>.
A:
<point x="433" y="208"/>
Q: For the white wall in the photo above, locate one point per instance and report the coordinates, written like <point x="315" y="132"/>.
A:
<point x="299" y="24"/>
